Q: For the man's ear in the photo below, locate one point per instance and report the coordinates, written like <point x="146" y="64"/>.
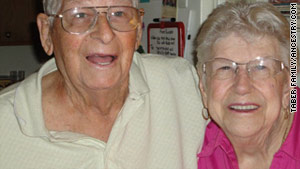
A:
<point x="139" y="33"/>
<point x="202" y="87"/>
<point x="44" y="27"/>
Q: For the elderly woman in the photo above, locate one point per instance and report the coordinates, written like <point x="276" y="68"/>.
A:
<point x="243" y="63"/>
<point x="97" y="104"/>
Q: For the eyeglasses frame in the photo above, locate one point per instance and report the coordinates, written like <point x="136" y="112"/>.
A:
<point x="282" y="66"/>
<point x="140" y="12"/>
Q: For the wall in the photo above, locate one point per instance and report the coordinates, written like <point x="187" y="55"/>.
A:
<point x="26" y="58"/>
<point x="152" y="10"/>
<point x="189" y="14"/>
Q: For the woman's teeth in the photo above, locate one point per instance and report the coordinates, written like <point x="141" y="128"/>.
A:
<point x="247" y="107"/>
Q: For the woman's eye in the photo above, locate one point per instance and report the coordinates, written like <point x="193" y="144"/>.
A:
<point x="80" y="15"/>
<point x="225" y="68"/>
<point x="260" y="67"/>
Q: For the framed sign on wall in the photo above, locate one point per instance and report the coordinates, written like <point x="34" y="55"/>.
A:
<point x="166" y="38"/>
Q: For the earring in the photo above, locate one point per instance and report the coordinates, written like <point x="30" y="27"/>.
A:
<point x="205" y="113"/>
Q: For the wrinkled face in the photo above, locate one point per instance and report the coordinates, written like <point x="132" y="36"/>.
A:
<point x="240" y="106"/>
<point x="98" y="59"/>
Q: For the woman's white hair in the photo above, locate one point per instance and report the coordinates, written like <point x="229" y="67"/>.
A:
<point x="249" y="20"/>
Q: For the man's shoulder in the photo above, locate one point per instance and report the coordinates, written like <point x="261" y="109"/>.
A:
<point x="7" y="96"/>
<point x="167" y="64"/>
<point x="164" y="60"/>
<point x="7" y="93"/>
<point x="166" y="73"/>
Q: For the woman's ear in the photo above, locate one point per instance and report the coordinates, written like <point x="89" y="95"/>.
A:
<point x="202" y="87"/>
<point x="44" y="30"/>
<point x="286" y="94"/>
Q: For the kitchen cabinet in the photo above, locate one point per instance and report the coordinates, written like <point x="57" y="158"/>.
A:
<point x="18" y="21"/>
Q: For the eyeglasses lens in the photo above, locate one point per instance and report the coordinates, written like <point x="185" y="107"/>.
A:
<point x="81" y="20"/>
<point x="263" y="68"/>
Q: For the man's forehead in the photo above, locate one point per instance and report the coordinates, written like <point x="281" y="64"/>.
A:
<point x="95" y="1"/>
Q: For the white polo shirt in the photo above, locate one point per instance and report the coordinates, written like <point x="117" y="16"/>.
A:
<point x="159" y="127"/>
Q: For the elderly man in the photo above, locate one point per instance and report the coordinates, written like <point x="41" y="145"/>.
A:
<point x="97" y="104"/>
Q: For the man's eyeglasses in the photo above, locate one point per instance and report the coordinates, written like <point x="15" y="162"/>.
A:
<point x="80" y="20"/>
<point x="259" y="68"/>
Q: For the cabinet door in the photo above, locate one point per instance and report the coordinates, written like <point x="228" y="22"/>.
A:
<point x="18" y="22"/>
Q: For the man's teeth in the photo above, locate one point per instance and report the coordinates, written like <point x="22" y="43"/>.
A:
<point x="103" y="64"/>
<point x="101" y="60"/>
<point x="248" y="107"/>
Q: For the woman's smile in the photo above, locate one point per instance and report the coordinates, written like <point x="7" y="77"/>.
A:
<point x="243" y="107"/>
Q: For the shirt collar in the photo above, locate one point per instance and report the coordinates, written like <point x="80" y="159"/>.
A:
<point x="137" y="82"/>
<point x="28" y="102"/>
<point x="214" y="138"/>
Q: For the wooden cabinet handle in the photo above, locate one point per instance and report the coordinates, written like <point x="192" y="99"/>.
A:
<point x="7" y="34"/>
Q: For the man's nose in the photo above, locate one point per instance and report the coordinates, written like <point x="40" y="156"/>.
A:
<point x="102" y="30"/>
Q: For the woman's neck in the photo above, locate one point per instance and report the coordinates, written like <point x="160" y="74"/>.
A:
<point x="258" y="152"/>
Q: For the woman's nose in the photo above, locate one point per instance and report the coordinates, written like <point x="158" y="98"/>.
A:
<point x="242" y="82"/>
<point x="102" y="30"/>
